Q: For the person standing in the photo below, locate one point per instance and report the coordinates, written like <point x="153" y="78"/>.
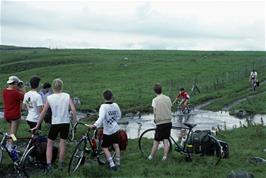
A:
<point x="109" y="114"/>
<point x="12" y="99"/>
<point x="33" y="102"/>
<point x="162" y="117"/>
<point x="59" y="103"/>
<point x="45" y="92"/>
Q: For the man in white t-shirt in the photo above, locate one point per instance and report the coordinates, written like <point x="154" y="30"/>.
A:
<point x="33" y="102"/>
<point x="109" y="114"/>
<point x="253" y="77"/>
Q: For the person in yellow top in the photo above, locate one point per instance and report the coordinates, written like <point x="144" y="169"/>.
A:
<point x="162" y="117"/>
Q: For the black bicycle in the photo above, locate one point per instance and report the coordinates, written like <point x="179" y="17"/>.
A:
<point x="25" y="161"/>
<point x="180" y="138"/>
<point x="88" y="147"/>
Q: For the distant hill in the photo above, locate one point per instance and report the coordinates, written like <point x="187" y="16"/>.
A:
<point x="8" y="47"/>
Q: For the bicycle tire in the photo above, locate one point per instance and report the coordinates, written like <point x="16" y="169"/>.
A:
<point x="77" y="156"/>
<point x="31" y="166"/>
<point x="1" y="155"/>
<point x="71" y="132"/>
<point x="146" y="142"/>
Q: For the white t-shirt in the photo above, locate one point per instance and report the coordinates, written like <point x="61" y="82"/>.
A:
<point x="253" y="75"/>
<point x="33" y="100"/>
<point x="59" y="104"/>
<point x="109" y="114"/>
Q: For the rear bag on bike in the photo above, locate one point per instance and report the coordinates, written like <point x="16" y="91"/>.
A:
<point x="225" y="148"/>
<point x="123" y="140"/>
<point x="41" y="152"/>
<point x="258" y="83"/>
<point x="202" y="143"/>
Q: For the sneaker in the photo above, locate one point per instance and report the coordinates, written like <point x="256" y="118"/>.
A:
<point x="117" y="162"/>
<point x="48" y="169"/>
<point x="61" y="166"/>
<point x="113" y="168"/>
<point x="149" y="157"/>
<point x="164" y="158"/>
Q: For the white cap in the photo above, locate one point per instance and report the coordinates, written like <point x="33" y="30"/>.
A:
<point x="13" y="79"/>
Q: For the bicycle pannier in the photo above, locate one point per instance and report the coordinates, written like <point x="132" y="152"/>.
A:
<point x="122" y="135"/>
<point x="41" y="152"/>
<point x="225" y="148"/>
<point x="202" y="142"/>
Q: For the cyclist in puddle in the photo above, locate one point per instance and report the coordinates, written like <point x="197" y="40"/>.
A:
<point x="109" y="114"/>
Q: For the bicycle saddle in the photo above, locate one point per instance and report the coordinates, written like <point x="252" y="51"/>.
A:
<point x="190" y="125"/>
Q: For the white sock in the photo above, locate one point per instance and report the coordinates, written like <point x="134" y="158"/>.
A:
<point x="117" y="160"/>
<point x="150" y="157"/>
<point x="164" y="158"/>
<point x="111" y="162"/>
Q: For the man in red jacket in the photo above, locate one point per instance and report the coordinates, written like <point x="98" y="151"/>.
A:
<point x="12" y="99"/>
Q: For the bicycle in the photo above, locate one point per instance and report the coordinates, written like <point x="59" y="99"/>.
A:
<point x="22" y="166"/>
<point x="186" y="110"/>
<point x="183" y="146"/>
<point x="89" y="146"/>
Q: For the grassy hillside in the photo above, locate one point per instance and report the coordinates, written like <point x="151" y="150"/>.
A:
<point x="131" y="74"/>
<point x="243" y="142"/>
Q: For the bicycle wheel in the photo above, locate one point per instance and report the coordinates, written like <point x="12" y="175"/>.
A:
<point x="71" y="132"/>
<point x="78" y="156"/>
<point x="1" y="155"/>
<point x="31" y="166"/>
<point x="146" y="140"/>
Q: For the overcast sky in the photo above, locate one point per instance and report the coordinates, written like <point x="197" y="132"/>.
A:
<point x="132" y="24"/>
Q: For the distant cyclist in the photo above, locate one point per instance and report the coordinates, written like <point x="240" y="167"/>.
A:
<point x="253" y="77"/>
<point x="184" y="98"/>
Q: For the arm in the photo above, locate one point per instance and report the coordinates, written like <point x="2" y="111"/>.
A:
<point x="174" y="101"/>
<point x="46" y="106"/>
<point x="99" y="121"/>
<point x="73" y="109"/>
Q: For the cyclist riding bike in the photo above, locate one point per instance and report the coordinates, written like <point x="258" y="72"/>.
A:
<point x="184" y="99"/>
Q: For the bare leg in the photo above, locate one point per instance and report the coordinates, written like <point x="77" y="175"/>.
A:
<point x="154" y="149"/>
<point x="62" y="147"/>
<point x="49" y="151"/>
<point x="117" y="154"/>
<point x="109" y="157"/>
<point x="166" y="147"/>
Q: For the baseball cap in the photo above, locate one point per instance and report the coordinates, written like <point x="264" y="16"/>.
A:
<point x="13" y="79"/>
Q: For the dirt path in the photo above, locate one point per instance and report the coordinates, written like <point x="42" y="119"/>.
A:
<point x="230" y="105"/>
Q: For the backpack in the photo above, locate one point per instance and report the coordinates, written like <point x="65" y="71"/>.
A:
<point x="240" y="174"/>
<point x="41" y="153"/>
<point x="40" y="143"/>
<point x="202" y="143"/>
<point x="123" y="140"/>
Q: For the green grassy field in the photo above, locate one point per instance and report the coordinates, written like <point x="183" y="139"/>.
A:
<point x="242" y="146"/>
<point x="87" y="72"/>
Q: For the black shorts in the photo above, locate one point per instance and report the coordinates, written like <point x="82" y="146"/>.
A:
<point x="109" y="140"/>
<point x="63" y="129"/>
<point x="33" y="124"/>
<point x="162" y="131"/>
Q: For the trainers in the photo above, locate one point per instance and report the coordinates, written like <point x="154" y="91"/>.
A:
<point x="113" y="168"/>
<point x="61" y="166"/>
<point x="149" y="157"/>
<point x="48" y="169"/>
<point x="164" y="158"/>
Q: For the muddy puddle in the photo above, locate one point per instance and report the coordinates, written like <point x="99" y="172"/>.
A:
<point x="205" y="120"/>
